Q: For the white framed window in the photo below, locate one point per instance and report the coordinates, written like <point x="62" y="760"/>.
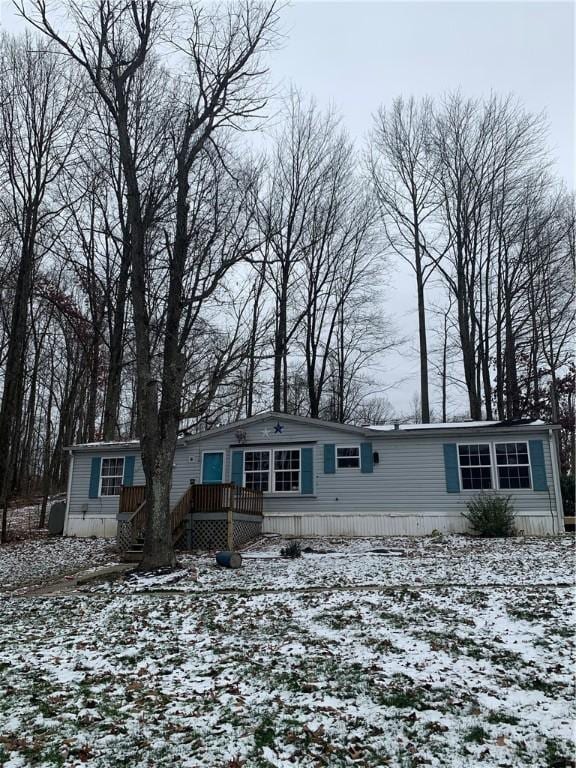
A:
<point x="475" y="461"/>
<point x="287" y="470"/>
<point x="348" y="457"/>
<point x="111" y="476"/>
<point x="275" y="471"/>
<point x="257" y="470"/>
<point x="513" y="465"/>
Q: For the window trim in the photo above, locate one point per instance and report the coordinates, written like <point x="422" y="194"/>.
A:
<point x="529" y="465"/>
<point x="494" y="467"/>
<point x="109" y="458"/>
<point x="493" y="486"/>
<point x="357" y="447"/>
<point x="271" y="471"/>
<point x="255" y="450"/>
<point x="202" y="464"/>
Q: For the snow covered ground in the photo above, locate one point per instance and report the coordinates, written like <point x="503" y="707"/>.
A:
<point x="442" y="652"/>
<point x="23" y="522"/>
<point x="34" y="561"/>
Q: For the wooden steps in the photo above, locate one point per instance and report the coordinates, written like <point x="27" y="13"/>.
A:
<point x="226" y="498"/>
<point x="134" y="554"/>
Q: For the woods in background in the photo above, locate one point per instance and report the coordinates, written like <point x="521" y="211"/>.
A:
<point x="466" y="197"/>
<point x="156" y="274"/>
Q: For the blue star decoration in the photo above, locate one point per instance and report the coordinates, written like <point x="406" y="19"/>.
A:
<point x="279" y="428"/>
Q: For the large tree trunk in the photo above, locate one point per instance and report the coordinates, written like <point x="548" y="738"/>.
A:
<point x="25" y="464"/>
<point x="94" y="370"/>
<point x="252" y="366"/>
<point x="280" y="345"/>
<point x="46" y="474"/>
<point x="424" y="394"/>
<point x="14" y="370"/>
<point x="114" y="388"/>
<point x="512" y="389"/>
<point x="467" y="346"/>
<point x="157" y="440"/>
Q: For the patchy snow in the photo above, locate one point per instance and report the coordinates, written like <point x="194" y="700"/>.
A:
<point x="405" y="561"/>
<point x="35" y="561"/>
<point x="105" y="444"/>
<point x="23" y="522"/>
<point x="454" y="654"/>
<point x="448" y="425"/>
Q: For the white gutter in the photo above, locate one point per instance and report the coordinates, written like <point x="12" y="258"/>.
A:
<point x="68" y="492"/>
<point x="556" y="479"/>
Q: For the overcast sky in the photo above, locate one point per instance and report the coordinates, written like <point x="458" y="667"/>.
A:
<point x="358" y="55"/>
<point x="362" y="54"/>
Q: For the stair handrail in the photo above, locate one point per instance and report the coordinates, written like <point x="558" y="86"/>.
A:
<point x="181" y="509"/>
<point x="138" y="520"/>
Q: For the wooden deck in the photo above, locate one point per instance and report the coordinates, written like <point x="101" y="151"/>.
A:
<point x="222" y="497"/>
<point x="199" y="498"/>
<point x="226" y="498"/>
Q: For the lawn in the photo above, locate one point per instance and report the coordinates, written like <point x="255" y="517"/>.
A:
<point x="439" y="651"/>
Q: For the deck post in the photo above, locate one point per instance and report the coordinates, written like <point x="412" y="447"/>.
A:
<point x="230" y="529"/>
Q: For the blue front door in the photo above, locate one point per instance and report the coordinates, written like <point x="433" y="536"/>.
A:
<point x="212" y="465"/>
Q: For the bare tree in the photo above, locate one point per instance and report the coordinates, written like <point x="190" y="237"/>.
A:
<point x="342" y="272"/>
<point x="302" y="162"/>
<point x="401" y="166"/>
<point x="114" y="45"/>
<point x="37" y="100"/>
<point x="483" y="151"/>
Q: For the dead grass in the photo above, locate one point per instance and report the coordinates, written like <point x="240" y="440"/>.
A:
<point x="402" y="675"/>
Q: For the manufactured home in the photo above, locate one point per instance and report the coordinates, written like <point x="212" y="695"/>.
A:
<point x="299" y="476"/>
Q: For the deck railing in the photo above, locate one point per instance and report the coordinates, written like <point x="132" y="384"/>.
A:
<point x="247" y="501"/>
<point x="210" y="498"/>
<point x="131" y="515"/>
<point x="131" y="497"/>
<point x="138" y="521"/>
<point x="181" y="509"/>
<point x="224" y="496"/>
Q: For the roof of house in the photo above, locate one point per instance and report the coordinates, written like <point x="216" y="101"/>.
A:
<point x="391" y="430"/>
<point x="279" y="416"/>
<point x="456" y="425"/>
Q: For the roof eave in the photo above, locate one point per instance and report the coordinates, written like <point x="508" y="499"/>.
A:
<point x="395" y="433"/>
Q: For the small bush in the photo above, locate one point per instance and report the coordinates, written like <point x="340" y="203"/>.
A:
<point x="293" y="550"/>
<point x="567" y="488"/>
<point x="491" y="515"/>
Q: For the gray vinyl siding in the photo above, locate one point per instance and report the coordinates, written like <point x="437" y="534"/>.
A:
<point x="103" y="506"/>
<point x="406" y="492"/>
<point x="409" y="478"/>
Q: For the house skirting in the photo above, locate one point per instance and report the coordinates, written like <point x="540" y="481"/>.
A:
<point x="104" y="526"/>
<point x="209" y="530"/>
<point x="389" y="525"/>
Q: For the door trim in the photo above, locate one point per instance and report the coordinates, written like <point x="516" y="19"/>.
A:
<point x="223" y="454"/>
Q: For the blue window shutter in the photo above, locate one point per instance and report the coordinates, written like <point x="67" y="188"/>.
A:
<point x="95" y="477"/>
<point x="329" y="459"/>
<point x="237" y="467"/>
<point x="128" y="478"/>
<point x="307" y="471"/>
<point x="366" y="458"/>
<point x="451" y="468"/>
<point x="539" y="482"/>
